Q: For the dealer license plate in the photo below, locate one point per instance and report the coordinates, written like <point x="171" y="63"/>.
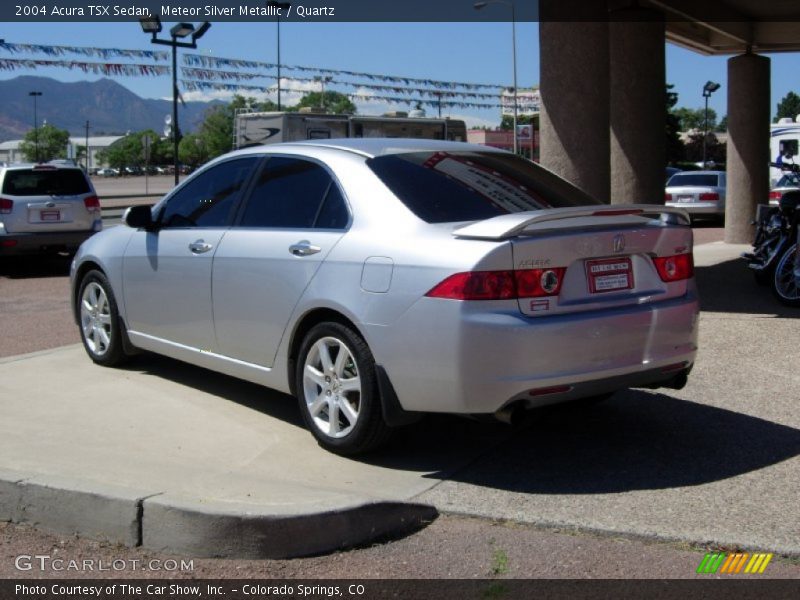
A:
<point x="50" y="215"/>
<point x="609" y="275"/>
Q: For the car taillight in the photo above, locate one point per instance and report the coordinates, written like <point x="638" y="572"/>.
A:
<point x="500" y="285"/>
<point x="674" y="268"/>
<point x="774" y="195"/>
<point x="92" y="203"/>
<point x="6" y="206"/>
<point x="667" y="197"/>
<point x="709" y="196"/>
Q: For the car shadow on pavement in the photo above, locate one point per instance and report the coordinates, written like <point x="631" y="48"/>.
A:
<point x="250" y="395"/>
<point x="639" y="440"/>
<point x="29" y="267"/>
<point x="730" y="287"/>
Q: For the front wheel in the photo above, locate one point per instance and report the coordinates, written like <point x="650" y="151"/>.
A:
<point x="338" y="392"/>
<point x="99" y="320"/>
<point x="786" y="281"/>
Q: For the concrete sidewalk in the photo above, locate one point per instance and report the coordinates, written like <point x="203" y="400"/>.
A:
<point x="179" y="459"/>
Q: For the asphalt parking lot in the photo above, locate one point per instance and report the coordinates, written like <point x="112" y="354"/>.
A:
<point x="712" y="465"/>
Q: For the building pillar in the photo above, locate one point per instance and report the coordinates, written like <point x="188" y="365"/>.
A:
<point x="637" y="108"/>
<point x="574" y="88"/>
<point x="748" y="144"/>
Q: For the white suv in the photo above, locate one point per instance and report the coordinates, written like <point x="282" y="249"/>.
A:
<point x="46" y="208"/>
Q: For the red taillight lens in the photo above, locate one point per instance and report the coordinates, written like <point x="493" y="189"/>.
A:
<point x="535" y="283"/>
<point x="667" y="197"/>
<point x="774" y="195"/>
<point x="477" y="285"/>
<point x="500" y="285"/>
<point x="675" y="268"/>
<point x="708" y="197"/>
<point x="6" y="206"/>
<point x="92" y="203"/>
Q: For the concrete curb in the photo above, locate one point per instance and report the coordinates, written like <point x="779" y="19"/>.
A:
<point x="220" y="530"/>
<point x="177" y="525"/>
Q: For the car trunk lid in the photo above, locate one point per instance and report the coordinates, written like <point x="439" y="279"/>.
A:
<point x="586" y="258"/>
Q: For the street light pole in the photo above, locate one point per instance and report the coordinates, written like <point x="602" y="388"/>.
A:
<point x="479" y="6"/>
<point x="35" y="124"/>
<point x="280" y="6"/>
<point x="709" y="88"/>
<point x="152" y="25"/>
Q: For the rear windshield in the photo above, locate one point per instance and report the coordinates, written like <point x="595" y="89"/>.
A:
<point x="58" y="182"/>
<point x="693" y="179"/>
<point x="444" y="187"/>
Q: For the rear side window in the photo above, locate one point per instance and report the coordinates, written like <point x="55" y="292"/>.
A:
<point x="694" y="179"/>
<point x="293" y="193"/>
<point x="442" y="187"/>
<point x="55" y="182"/>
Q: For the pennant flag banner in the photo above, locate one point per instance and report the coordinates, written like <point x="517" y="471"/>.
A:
<point x="215" y="74"/>
<point x="214" y="62"/>
<point x="194" y="85"/>
<point x="128" y="70"/>
<point x="84" y="51"/>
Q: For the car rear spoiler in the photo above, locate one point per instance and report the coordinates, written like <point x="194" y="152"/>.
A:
<point x="515" y="224"/>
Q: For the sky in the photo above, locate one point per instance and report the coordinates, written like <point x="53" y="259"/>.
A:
<point x="466" y="52"/>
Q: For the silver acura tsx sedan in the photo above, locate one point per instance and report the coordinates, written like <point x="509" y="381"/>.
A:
<point x="380" y="279"/>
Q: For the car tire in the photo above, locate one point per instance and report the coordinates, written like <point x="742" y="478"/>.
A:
<point x="99" y="322"/>
<point x="337" y="390"/>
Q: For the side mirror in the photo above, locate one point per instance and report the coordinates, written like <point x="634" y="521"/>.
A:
<point x="139" y="217"/>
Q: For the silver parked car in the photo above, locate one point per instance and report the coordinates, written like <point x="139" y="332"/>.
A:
<point x="379" y="279"/>
<point x="46" y="207"/>
<point x="700" y="193"/>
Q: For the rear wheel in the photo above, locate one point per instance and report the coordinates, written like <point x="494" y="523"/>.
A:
<point x="338" y="391"/>
<point x="786" y="282"/>
<point x="99" y="320"/>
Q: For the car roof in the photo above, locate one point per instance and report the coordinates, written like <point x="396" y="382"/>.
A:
<point x="700" y="173"/>
<point x="45" y="166"/>
<point x="372" y="147"/>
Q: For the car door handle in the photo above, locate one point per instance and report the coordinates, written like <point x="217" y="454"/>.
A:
<point x="303" y="248"/>
<point x="199" y="247"/>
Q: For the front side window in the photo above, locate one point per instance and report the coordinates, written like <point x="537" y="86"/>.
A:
<point x="209" y="198"/>
<point x="292" y="193"/>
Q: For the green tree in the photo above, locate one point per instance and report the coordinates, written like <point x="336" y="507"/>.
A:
<point x="789" y="107"/>
<point x="694" y="118"/>
<point x="50" y="141"/>
<point x="715" y="151"/>
<point x="507" y="121"/>
<point x="332" y="102"/>
<point x="129" y="150"/>
<point x="192" y="150"/>
<point x="722" y="126"/>
<point x="216" y="131"/>
<point x="673" y="146"/>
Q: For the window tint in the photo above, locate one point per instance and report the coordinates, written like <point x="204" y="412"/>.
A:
<point x="693" y="179"/>
<point x="207" y="200"/>
<point x="288" y="194"/>
<point x="56" y="182"/>
<point x="333" y="214"/>
<point x="790" y="180"/>
<point x="442" y="187"/>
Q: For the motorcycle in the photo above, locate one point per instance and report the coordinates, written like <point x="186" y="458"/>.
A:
<point x="774" y="259"/>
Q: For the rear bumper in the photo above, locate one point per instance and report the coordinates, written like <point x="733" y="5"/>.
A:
<point x="462" y="357"/>
<point x="37" y="242"/>
<point x="700" y="208"/>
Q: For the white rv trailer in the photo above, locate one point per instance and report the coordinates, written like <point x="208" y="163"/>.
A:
<point x="251" y="128"/>
<point x="784" y="145"/>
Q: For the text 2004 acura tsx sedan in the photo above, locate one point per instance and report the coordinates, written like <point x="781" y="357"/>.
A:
<point x="377" y="279"/>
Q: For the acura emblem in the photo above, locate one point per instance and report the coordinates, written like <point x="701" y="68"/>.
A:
<point x="619" y="243"/>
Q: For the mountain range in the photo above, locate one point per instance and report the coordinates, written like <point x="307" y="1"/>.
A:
<point x="110" y="108"/>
